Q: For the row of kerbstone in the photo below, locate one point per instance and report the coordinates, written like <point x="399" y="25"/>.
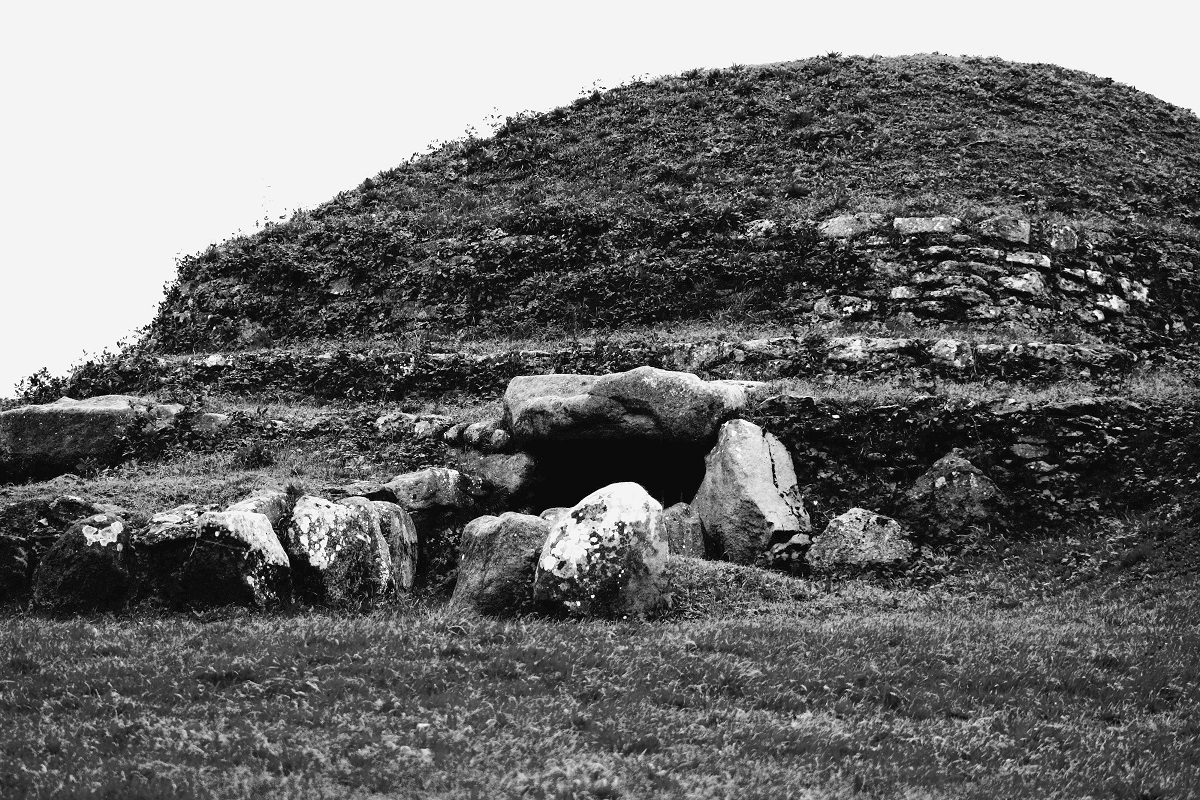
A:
<point x="263" y="551"/>
<point x="266" y="550"/>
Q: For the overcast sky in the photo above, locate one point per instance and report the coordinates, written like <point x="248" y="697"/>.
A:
<point x="136" y="132"/>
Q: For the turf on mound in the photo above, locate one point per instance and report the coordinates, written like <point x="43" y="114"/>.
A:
<point x="644" y="203"/>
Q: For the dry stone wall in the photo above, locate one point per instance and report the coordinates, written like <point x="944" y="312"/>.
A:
<point x="1058" y="463"/>
<point x="377" y="375"/>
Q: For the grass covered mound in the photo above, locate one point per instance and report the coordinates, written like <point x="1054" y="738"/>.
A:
<point x="632" y="205"/>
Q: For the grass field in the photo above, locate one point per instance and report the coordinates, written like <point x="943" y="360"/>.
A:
<point x="1000" y="685"/>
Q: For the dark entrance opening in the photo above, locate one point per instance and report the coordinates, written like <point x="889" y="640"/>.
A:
<point x="569" y="471"/>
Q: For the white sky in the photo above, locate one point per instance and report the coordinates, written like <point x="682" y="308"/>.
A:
<point x="135" y="132"/>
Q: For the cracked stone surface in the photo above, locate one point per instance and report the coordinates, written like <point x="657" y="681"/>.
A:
<point x="749" y="499"/>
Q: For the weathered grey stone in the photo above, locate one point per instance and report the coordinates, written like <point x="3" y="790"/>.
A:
<point x="1063" y="238"/>
<point x="498" y="563"/>
<point x="1037" y="260"/>
<point x="57" y="436"/>
<point x="1112" y="304"/>
<point x="861" y="350"/>
<point x="954" y="495"/>
<point x="749" y="498"/>
<point x="87" y="569"/>
<point x="850" y="225"/>
<point x="499" y="441"/>
<point x="400" y="532"/>
<point x="909" y="226"/>
<point x="1006" y="227"/>
<point x="507" y="474"/>
<point x="606" y="556"/>
<point x="435" y="487"/>
<point x="859" y="538"/>
<point x="1029" y="284"/>
<point x="478" y="434"/>
<point x="454" y="434"/>
<point x="644" y="403"/>
<point x="844" y="306"/>
<point x="952" y="353"/>
<point x="337" y="551"/>
<point x="1135" y="291"/>
<point x="193" y="556"/>
<point x="275" y="504"/>
<point x="1029" y="452"/>
<point x="683" y="531"/>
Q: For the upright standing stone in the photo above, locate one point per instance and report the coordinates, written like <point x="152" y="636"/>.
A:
<point x="683" y="531"/>
<point x="499" y="562"/>
<point x="749" y="499"/>
<point x="337" y="551"/>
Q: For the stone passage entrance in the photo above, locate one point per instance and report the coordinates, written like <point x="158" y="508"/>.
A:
<point x="648" y="426"/>
<point x="674" y="434"/>
<point x="670" y="472"/>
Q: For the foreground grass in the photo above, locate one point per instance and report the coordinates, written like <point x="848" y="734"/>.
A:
<point x="829" y="694"/>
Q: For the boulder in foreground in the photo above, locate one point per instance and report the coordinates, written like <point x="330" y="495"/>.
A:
<point x="87" y="569"/>
<point x="606" y="556"/>
<point x="859" y="539"/>
<point x="499" y="561"/>
<point x="955" y="495"/>
<point x="192" y="556"/>
<point x="338" y="552"/>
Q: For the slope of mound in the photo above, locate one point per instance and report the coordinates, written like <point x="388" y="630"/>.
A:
<point x="700" y="194"/>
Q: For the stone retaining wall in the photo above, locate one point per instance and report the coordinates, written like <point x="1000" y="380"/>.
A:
<point x="388" y="375"/>
<point x="1059" y="463"/>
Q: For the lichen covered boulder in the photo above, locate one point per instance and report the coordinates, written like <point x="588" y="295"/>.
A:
<point x="498" y="563"/>
<point x="30" y="527"/>
<point x="749" y="499"/>
<point x="607" y="556"/>
<point x="87" y="569"/>
<point x="337" y="551"/>
<point x="955" y="495"/>
<point x="859" y="539"/>
<point x="193" y="556"/>
<point x="399" y="532"/>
